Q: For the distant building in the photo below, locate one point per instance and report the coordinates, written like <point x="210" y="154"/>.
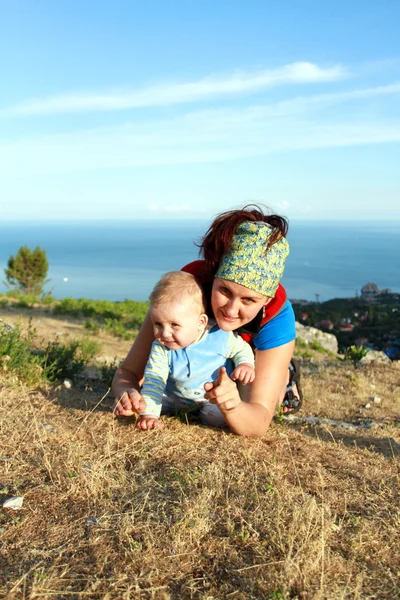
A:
<point x="371" y="291"/>
<point x="324" y="324"/>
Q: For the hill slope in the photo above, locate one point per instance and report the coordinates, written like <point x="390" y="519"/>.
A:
<point x="190" y="512"/>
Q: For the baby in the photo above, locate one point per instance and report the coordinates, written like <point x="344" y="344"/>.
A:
<point x="187" y="352"/>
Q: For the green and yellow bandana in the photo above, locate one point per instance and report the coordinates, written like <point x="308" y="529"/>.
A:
<point x="250" y="263"/>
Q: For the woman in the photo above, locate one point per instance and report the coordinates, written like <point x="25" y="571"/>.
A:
<point x="244" y="256"/>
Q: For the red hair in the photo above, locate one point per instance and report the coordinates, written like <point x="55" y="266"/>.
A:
<point x="217" y="240"/>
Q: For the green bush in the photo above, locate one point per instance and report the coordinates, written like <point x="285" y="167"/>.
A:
<point x="20" y="355"/>
<point x="128" y="311"/>
<point x="47" y="299"/>
<point x="92" y="326"/>
<point x="60" y="361"/>
<point x="118" y="329"/>
<point x="354" y="353"/>
<point x="13" y="294"/>
<point x="107" y="371"/>
<point x="16" y="354"/>
<point x="66" y="361"/>
<point x="87" y="348"/>
<point x="301" y="344"/>
<point x="26" y="301"/>
<point x="317" y="347"/>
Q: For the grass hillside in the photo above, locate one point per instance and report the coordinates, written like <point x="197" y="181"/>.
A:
<point x="306" y="512"/>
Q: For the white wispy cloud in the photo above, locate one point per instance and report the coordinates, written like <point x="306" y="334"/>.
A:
<point x="212" y="135"/>
<point x="178" y="93"/>
<point x="303" y="103"/>
<point x="178" y="144"/>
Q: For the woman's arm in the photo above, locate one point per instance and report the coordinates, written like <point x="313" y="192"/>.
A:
<point x="129" y="377"/>
<point x="253" y="416"/>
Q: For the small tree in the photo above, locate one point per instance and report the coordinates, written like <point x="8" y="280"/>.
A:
<point x="27" y="270"/>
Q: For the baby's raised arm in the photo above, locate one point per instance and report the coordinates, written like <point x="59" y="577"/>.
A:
<point x="242" y="355"/>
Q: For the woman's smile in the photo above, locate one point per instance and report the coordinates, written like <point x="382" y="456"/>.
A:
<point x="234" y="305"/>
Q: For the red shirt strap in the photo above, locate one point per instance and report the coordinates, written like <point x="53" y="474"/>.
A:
<point x="275" y="305"/>
<point x="199" y="270"/>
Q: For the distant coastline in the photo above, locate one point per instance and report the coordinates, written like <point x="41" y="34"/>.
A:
<point x="118" y="260"/>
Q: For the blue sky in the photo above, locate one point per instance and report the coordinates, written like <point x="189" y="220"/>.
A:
<point x="176" y="109"/>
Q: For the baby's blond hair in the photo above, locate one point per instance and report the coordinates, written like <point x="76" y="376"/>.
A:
<point x="175" y="286"/>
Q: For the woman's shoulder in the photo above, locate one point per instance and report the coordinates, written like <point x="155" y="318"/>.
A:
<point x="278" y="330"/>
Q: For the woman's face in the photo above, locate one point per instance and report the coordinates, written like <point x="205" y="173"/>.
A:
<point x="234" y="305"/>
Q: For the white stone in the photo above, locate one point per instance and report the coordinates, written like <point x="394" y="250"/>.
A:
<point x="367" y="405"/>
<point x="14" y="502"/>
<point x="310" y="334"/>
<point x="67" y="384"/>
<point x="48" y="427"/>
<point x="91" y="372"/>
<point x="374" y="356"/>
<point x="376" y="399"/>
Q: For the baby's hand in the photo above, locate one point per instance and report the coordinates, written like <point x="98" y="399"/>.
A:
<point x="244" y="373"/>
<point x="149" y="422"/>
<point x="129" y="403"/>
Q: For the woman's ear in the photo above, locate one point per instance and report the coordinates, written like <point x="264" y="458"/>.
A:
<point x="203" y="320"/>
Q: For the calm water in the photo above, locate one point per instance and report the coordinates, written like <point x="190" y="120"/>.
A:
<point x="124" y="260"/>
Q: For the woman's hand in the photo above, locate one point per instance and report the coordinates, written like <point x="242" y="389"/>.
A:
<point x="223" y="392"/>
<point x="128" y="403"/>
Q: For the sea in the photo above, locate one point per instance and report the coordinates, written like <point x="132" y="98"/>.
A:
<point x="124" y="259"/>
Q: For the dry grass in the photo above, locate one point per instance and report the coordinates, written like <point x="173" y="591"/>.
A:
<point x="195" y="513"/>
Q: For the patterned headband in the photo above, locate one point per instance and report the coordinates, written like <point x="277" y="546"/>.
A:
<point x="248" y="261"/>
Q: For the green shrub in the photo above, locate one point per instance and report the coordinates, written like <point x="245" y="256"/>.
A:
<point x="118" y="329"/>
<point x="107" y="371"/>
<point x="317" y="347"/>
<point x="20" y="355"/>
<point x="87" y="348"/>
<point x="61" y="361"/>
<point x="92" y="326"/>
<point x="26" y="301"/>
<point x="301" y="344"/>
<point x="305" y="354"/>
<point x="128" y="311"/>
<point x="47" y="299"/>
<point x="66" y="361"/>
<point x="354" y="353"/>
<point x="16" y="354"/>
<point x="13" y="294"/>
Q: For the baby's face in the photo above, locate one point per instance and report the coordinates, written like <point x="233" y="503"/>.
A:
<point x="177" y="324"/>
